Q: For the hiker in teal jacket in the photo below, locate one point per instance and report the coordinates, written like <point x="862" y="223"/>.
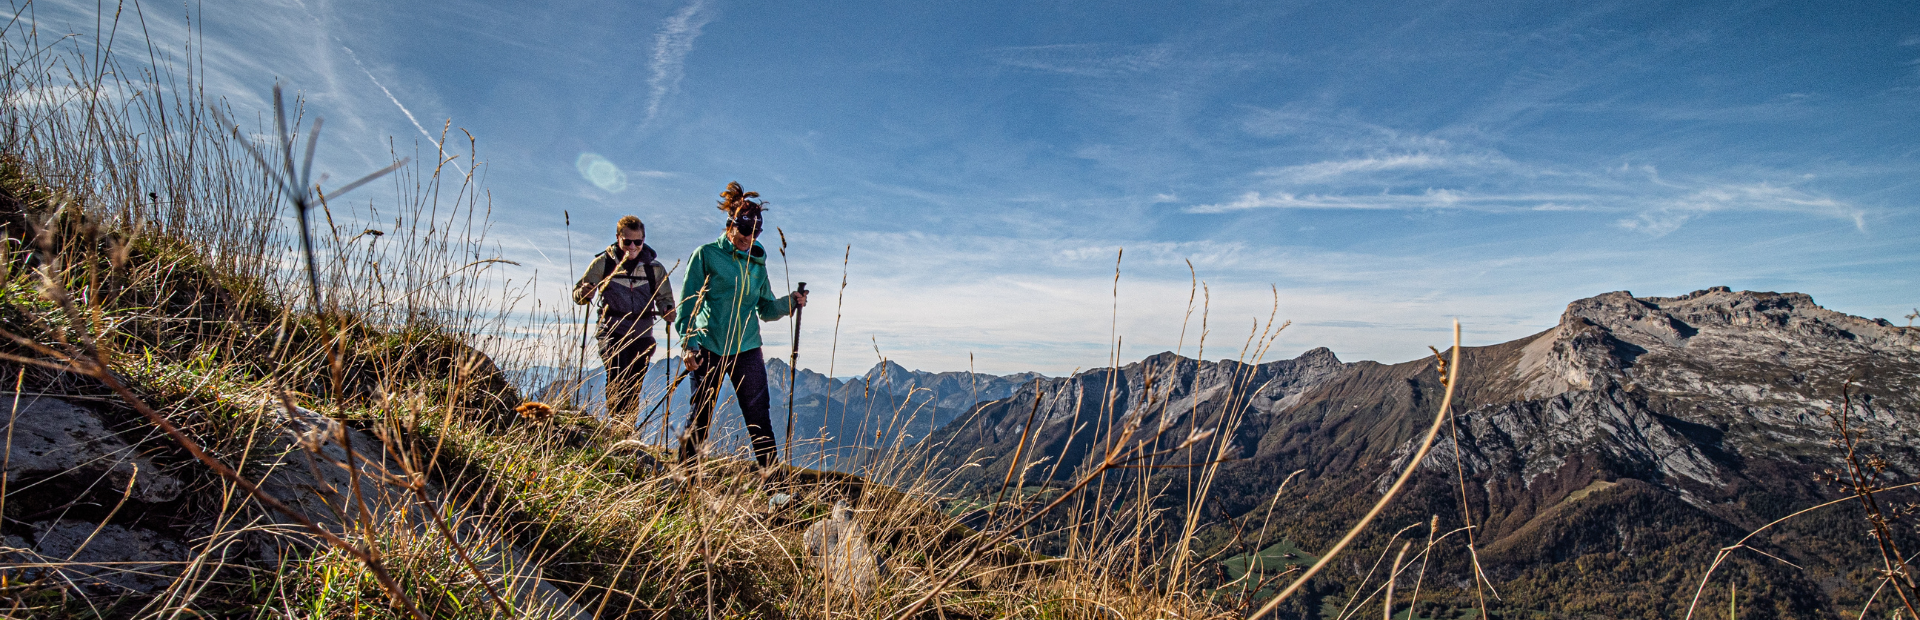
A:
<point x="722" y="300"/>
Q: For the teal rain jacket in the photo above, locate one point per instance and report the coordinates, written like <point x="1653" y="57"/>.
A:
<point x="723" y="289"/>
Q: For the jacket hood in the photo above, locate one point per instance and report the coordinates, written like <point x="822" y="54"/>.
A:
<point x="758" y="253"/>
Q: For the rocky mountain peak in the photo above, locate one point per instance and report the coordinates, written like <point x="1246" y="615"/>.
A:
<point x="1318" y="355"/>
<point x="1600" y="338"/>
<point x="1671" y="321"/>
<point x="1635" y="428"/>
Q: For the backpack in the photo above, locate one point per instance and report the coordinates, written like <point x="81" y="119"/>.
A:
<point x="621" y="302"/>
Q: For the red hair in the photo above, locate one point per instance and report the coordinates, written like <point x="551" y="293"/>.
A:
<point x="737" y="202"/>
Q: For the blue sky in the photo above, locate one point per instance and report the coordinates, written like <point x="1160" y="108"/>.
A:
<point x="1385" y="167"/>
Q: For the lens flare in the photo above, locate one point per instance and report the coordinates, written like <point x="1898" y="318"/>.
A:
<point x="602" y="173"/>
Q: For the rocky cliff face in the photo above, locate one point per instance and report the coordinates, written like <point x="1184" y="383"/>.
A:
<point x="1602" y="462"/>
<point x="1072" y="415"/>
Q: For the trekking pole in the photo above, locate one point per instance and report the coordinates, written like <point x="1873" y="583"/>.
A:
<point x="664" y="399"/>
<point x="793" y="372"/>
<point x="580" y="359"/>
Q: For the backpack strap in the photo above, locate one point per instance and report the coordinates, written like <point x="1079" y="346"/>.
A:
<point x="612" y="264"/>
<point x="652" y="269"/>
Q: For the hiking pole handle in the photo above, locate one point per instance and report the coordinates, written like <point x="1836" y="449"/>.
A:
<point x="796" y="321"/>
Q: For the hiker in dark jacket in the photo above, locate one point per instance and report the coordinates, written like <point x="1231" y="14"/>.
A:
<point x="722" y="301"/>
<point x="633" y="291"/>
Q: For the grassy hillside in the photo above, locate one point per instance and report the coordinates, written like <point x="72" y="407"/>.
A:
<point x="234" y="392"/>
<point x="298" y="407"/>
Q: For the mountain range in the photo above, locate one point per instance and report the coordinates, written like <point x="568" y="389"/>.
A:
<point x="1598" y="466"/>
<point x="1594" y="469"/>
<point x="837" y="422"/>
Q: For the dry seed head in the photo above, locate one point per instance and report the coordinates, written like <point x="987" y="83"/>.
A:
<point x="118" y="250"/>
<point x="534" y="411"/>
<point x="313" y="440"/>
<point x="1440" y="365"/>
<point x="49" y="287"/>
<point x="319" y="431"/>
<point x="1195" y="437"/>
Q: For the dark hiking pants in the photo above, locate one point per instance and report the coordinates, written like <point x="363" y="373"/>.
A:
<point x="626" y="360"/>
<point x="749" y="374"/>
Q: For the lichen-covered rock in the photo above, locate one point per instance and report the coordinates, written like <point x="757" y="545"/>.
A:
<point x="837" y="547"/>
<point x="52" y="438"/>
<point x="99" y="559"/>
<point x="306" y="476"/>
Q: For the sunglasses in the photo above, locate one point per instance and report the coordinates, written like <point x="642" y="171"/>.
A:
<point x="747" y="224"/>
<point x="633" y="242"/>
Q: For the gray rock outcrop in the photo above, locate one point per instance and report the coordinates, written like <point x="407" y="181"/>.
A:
<point x="64" y="466"/>
<point x="102" y="559"/>
<point x="837" y="547"/>
<point x="51" y="441"/>
<point x="67" y="472"/>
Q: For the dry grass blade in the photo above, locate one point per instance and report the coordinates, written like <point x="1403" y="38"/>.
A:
<point x="1413" y="464"/>
<point x="98" y="370"/>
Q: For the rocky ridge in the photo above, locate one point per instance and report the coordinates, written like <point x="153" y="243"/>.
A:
<point x="1638" y="434"/>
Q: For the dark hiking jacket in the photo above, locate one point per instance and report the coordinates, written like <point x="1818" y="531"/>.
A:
<point x="629" y="302"/>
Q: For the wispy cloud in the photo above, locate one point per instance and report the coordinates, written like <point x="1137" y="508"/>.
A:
<point x="1741" y="197"/>
<point x="670" y="48"/>
<point x="1344" y="169"/>
<point x="1404" y="170"/>
<point x="1657" y="206"/>
<point x="1656" y="223"/>
<point x="1086" y="59"/>
<point x="44" y="97"/>
<point x="396" y="103"/>
<point x="1106" y="60"/>
<point x="1428" y="198"/>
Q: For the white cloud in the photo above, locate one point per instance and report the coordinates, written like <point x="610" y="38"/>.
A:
<point x="1741" y="197"/>
<point x="1323" y="171"/>
<point x="1658" y="223"/>
<point x="1428" y="198"/>
<point x="44" y="97"/>
<point x="396" y="103"/>
<point x="1411" y="171"/>
<point x="670" y="48"/>
<point x="1087" y="60"/>
<point x="1342" y="132"/>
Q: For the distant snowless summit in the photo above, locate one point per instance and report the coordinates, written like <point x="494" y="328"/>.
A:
<point x="889" y="407"/>
<point x="1603" y="462"/>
